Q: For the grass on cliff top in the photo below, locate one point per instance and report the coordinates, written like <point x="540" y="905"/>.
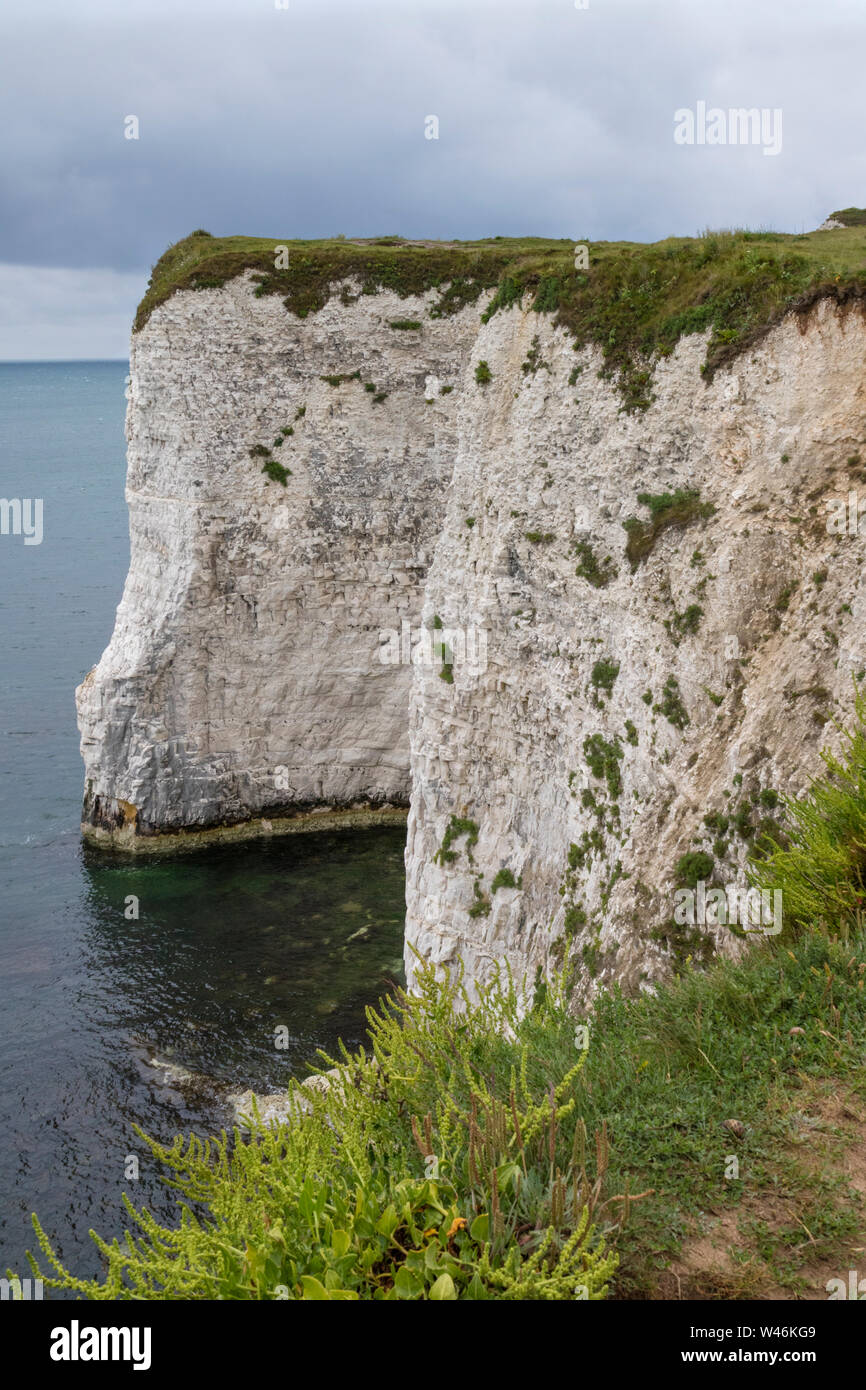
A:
<point x="850" y="217"/>
<point x="635" y="301"/>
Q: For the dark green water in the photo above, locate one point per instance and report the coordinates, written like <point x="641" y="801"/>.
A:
<point x="301" y="932"/>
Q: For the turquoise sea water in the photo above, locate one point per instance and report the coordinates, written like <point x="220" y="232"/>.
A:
<point x="304" y="931"/>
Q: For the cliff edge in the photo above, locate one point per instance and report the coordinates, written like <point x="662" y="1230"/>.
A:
<point x="558" y="546"/>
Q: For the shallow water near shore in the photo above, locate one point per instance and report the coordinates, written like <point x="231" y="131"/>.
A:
<point x="106" y="1015"/>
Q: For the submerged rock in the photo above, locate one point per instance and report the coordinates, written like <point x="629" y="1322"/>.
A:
<point x="279" y="1108"/>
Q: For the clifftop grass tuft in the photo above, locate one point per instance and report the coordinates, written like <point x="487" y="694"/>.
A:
<point x="850" y="217"/>
<point x="635" y="302"/>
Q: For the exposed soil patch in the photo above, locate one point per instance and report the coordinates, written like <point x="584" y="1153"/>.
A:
<point x="735" y="1253"/>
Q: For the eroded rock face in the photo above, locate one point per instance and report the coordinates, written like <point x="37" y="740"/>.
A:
<point x="243" y="681"/>
<point x="614" y="708"/>
<point x="730" y="641"/>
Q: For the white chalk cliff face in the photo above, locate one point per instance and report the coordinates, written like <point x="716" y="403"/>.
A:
<point x="243" y="692"/>
<point x="244" y="678"/>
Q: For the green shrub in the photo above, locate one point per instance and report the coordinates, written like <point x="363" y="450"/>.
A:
<point x="534" y="360"/>
<point x="405" y="323"/>
<point x="509" y="292"/>
<point x="337" y="378"/>
<point x="604" y="674"/>
<point x="595" y="572"/>
<point x="603" y="759"/>
<point x="685" y="623"/>
<point x="415" y="1176"/>
<point x="276" y="472"/>
<point x="546" y="299"/>
<point x="483" y="373"/>
<point x="671" y="704"/>
<point x="822" y="871"/>
<point x="481" y="905"/>
<point x="457" y="827"/>
<point x="743" y="822"/>
<point x="575" y="918"/>
<point x="667" y="509"/>
<point x="694" y="868"/>
<point x="504" y="878"/>
<point x="446" y="655"/>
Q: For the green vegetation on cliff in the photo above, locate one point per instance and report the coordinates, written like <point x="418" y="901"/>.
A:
<point x="634" y="301"/>
<point x="820" y="868"/>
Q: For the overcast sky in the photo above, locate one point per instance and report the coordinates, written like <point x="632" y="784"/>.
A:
<point x="309" y="120"/>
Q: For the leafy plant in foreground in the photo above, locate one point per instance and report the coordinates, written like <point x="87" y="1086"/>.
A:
<point x="821" y="872"/>
<point x="447" y="1164"/>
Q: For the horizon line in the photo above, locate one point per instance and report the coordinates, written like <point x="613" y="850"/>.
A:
<point x="53" y="361"/>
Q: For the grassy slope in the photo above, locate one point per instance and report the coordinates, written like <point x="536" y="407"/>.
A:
<point x="635" y="301"/>
<point x="668" y="1074"/>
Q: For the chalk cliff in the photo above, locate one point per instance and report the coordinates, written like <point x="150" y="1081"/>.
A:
<point x="671" y="608"/>
<point x="614" y="716"/>
<point x="244" y="678"/>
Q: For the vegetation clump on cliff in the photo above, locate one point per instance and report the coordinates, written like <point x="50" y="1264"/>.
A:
<point x="634" y="301"/>
<point x="667" y="509"/>
<point x="849" y="217"/>
<point x="820" y="864"/>
<point x="598" y="573"/>
<point x="456" y="828"/>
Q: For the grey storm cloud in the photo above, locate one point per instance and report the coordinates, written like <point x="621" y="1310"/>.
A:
<point x="309" y="120"/>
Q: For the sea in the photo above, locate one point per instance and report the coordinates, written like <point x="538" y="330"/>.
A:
<point x="136" y="993"/>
